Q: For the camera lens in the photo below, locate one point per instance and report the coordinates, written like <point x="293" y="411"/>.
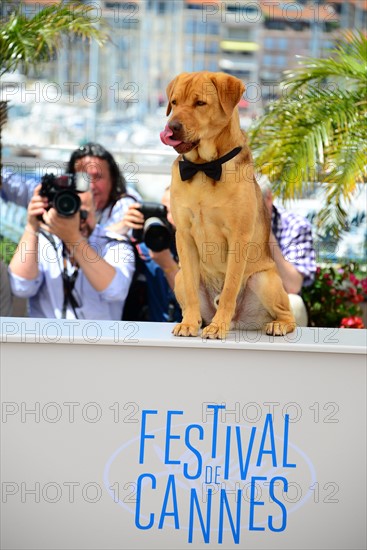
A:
<point x="157" y="235"/>
<point x="67" y="203"/>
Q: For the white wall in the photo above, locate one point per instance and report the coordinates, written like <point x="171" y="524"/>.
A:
<point x="75" y="421"/>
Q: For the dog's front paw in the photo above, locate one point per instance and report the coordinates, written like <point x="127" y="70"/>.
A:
<point x="215" y="331"/>
<point x="278" y="328"/>
<point x="186" y="329"/>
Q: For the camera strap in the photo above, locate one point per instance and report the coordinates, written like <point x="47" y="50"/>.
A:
<point x="68" y="285"/>
<point x="68" y="281"/>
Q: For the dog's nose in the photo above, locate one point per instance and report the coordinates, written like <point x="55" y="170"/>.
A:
<point x="175" y="125"/>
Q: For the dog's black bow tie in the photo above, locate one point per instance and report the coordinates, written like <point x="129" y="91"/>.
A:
<point x="212" y="169"/>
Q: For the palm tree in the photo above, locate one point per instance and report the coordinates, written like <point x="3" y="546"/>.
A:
<point x="317" y="130"/>
<point x="28" y="41"/>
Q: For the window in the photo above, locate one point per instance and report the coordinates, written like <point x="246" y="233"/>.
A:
<point x="200" y="46"/>
<point x="213" y="65"/>
<point x="161" y="8"/>
<point x="275" y="24"/>
<point x="195" y="26"/>
<point x="268" y="60"/>
<point x="199" y="64"/>
<point x="232" y="33"/>
<point x="189" y="26"/>
<point x="280" y="61"/>
<point x="188" y="65"/>
<point x="299" y="25"/>
<point x="269" y="43"/>
<point x="212" y="28"/>
<point x="211" y="46"/>
<point x="327" y="45"/>
<point x="189" y="47"/>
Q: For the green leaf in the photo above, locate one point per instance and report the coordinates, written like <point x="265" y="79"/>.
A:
<point x="317" y="130"/>
<point x="29" y="41"/>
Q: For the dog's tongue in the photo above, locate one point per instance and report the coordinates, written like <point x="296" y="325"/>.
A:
<point x="165" y="136"/>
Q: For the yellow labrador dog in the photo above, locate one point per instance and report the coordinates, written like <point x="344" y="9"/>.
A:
<point x="227" y="277"/>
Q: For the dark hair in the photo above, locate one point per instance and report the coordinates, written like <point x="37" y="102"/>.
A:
<point x="95" y="150"/>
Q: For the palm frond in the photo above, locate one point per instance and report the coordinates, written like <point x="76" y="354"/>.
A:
<point x="29" y="41"/>
<point x="317" y="130"/>
<point x="346" y="64"/>
<point x="292" y="133"/>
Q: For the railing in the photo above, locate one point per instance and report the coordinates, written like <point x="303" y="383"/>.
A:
<point x="149" y="161"/>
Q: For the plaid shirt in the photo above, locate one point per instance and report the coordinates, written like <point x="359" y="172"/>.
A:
<point x="294" y="236"/>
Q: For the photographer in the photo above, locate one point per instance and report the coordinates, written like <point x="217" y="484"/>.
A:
<point x="112" y="196"/>
<point x="69" y="266"/>
<point x="160" y="267"/>
<point x="292" y="249"/>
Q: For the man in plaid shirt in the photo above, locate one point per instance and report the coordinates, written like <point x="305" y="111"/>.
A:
<point x="291" y="246"/>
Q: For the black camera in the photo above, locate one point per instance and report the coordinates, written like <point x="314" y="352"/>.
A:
<point x="157" y="231"/>
<point x="62" y="191"/>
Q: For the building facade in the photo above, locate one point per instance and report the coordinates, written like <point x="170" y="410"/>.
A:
<point x="153" y="40"/>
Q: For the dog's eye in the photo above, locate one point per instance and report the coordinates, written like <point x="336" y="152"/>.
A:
<point x="173" y="102"/>
<point x="200" y="103"/>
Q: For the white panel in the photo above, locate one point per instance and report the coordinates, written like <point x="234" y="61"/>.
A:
<point x="73" y="400"/>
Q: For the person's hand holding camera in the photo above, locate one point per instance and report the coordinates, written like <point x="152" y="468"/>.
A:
<point x="36" y="208"/>
<point x="41" y="216"/>
<point x="133" y="219"/>
<point x="66" y="228"/>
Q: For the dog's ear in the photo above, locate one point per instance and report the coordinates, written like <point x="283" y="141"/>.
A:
<point x="229" y="89"/>
<point x="169" y="91"/>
